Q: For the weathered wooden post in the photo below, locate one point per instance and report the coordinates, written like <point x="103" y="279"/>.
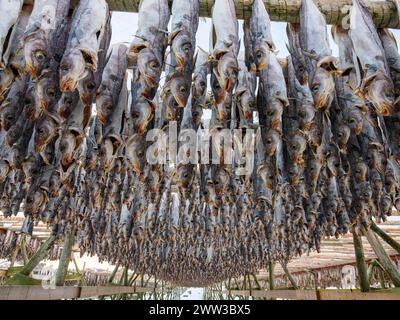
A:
<point x="271" y="268"/>
<point x="65" y="257"/>
<point x="360" y="262"/>
<point x="38" y="256"/>
<point x="388" y="239"/>
<point x="290" y="277"/>
<point x="383" y="257"/>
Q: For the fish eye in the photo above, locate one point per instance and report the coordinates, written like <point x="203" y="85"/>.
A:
<point x="176" y="104"/>
<point x="9" y="117"/>
<point x="269" y="141"/>
<point x="154" y="65"/>
<point x="202" y="84"/>
<point x="51" y="92"/>
<point x="185" y="175"/>
<point x="259" y="55"/>
<point x="352" y="120"/>
<point x="68" y="101"/>
<point x="315" y="88"/>
<point x="293" y="146"/>
<point x="41" y="131"/>
<point x="216" y="182"/>
<point x="64" y="68"/>
<point x="90" y="86"/>
<point x="182" y="89"/>
<point x="302" y="114"/>
<point x="40" y="55"/>
<point x="270" y="113"/>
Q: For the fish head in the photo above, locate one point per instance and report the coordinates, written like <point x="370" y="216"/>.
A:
<point x="314" y="169"/>
<point x="142" y="114"/>
<point x="72" y="70"/>
<point x="184" y="176"/>
<point x="136" y="152"/>
<point x="228" y="71"/>
<point x="306" y="115"/>
<point x="199" y="84"/>
<point x="45" y="129"/>
<point x="66" y="104"/>
<point x="333" y="163"/>
<point x="323" y="88"/>
<point x="105" y="105"/>
<point x="35" y="201"/>
<point x="296" y="145"/>
<point x="55" y="184"/>
<point x="354" y="119"/>
<point x="30" y="110"/>
<point x="272" y="138"/>
<point x="378" y="88"/>
<point x="386" y="204"/>
<point x="360" y="171"/>
<point x="87" y="88"/>
<point x="183" y="48"/>
<point x="8" y="114"/>
<point x="108" y="152"/>
<point x="46" y="90"/>
<point x="247" y="104"/>
<point x="4" y="170"/>
<point x="221" y="181"/>
<point x="267" y="174"/>
<point x="390" y="181"/>
<point x="274" y="111"/>
<point x="197" y="113"/>
<point x="30" y="169"/>
<point x="6" y="79"/>
<point x="343" y="134"/>
<point x="179" y="87"/>
<point x="154" y="181"/>
<point x="149" y="67"/>
<point x="37" y="55"/>
<point x="376" y="157"/>
<point x="67" y="147"/>
<point x="171" y="108"/>
<point x="209" y="192"/>
<point x="219" y="93"/>
<point x="261" y="55"/>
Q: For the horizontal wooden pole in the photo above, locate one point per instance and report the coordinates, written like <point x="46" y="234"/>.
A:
<point x="39" y="293"/>
<point x="323" y="294"/>
<point x="384" y="12"/>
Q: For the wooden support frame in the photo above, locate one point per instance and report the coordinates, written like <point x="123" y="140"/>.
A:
<point x="384" y="13"/>
<point x="388" y="239"/>
<point x="319" y="294"/>
<point x="39" y="293"/>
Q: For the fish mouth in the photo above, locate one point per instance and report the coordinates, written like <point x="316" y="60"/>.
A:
<point x="180" y="100"/>
<point x="180" y="61"/>
<point x="358" y="129"/>
<point x="151" y="81"/>
<point x="31" y="70"/>
<point x="307" y="126"/>
<point x="275" y="124"/>
<point x="68" y="85"/>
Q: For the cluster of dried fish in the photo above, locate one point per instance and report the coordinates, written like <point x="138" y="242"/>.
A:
<point x="326" y="134"/>
<point x="11" y="240"/>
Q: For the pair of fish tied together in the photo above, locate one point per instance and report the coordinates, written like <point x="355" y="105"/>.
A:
<point x="76" y="114"/>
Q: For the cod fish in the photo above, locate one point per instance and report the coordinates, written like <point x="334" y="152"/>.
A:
<point x="376" y="84"/>
<point x="10" y="10"/>
<point x="87" y="30"/>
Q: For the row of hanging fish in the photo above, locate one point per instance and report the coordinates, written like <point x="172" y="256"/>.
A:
<point x="76" y="112"/>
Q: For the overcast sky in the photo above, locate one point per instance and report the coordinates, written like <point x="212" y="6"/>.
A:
<point x="124" y="26"/>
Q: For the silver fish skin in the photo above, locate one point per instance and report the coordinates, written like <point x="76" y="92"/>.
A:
<point x="111" y="83"/>
<point x="87" y="31"/>
<point x="10" y="10"/>
<point x="185" y="15"/>
<point x="41" y="34"/>
<point x="376" y="84"/>
<point x="225" y="27"/>
<point x="154" y="16"/>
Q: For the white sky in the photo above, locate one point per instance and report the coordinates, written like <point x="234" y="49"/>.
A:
<point x="124" y="27"/>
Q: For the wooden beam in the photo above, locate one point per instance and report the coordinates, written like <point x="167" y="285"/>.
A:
<point x="271" y="274"/>
<point x="384" y="13"/>
<point x="65" y="257"/>
<point x="360" y="262"/>
<point x="383" y="257"/>
<point x="39" y="293"/>
<point x="388" y="239"/>
<point x="323" y="294"/>
<point x="290" y="277"/>
<point x="38" y="256"/>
